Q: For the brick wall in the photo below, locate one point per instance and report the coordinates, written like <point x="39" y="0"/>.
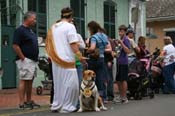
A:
<point x="158" y="29"/>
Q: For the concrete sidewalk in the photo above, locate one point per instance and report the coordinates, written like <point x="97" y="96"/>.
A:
<point x="9" y="98"/>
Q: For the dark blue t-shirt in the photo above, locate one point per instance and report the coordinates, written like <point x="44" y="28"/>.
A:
<point x="27" y="41"/>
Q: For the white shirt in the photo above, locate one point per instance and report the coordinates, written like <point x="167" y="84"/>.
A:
<point x="169" y="54"/>
<point x="81" y="42"/>
<point x="133" y="45"/>
<point x="64" y="34"/>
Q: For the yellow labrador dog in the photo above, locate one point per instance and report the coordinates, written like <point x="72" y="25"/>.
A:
<point x="89" y="96"/>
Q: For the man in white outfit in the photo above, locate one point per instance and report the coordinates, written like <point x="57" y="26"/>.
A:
<point x="62" y="47"/>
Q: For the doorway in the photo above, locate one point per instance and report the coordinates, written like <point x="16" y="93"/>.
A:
<point x="8" y="58"/>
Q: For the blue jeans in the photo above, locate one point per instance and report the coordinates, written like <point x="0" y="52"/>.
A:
<point x="80" y="77"/>
<point x="130" y="59"/>
<point x="169" y="81"/>
<point x="98" y="66"/>
<point x="110" y="89"/>
<point x="80" y="73"/>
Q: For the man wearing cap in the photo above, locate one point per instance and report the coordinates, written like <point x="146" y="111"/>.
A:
<point x="134" y="48"/>
<point x="62" y="47"/>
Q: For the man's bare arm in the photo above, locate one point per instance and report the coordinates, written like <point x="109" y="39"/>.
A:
<point x="18" y="51"/>
<point x="75" y="49"/>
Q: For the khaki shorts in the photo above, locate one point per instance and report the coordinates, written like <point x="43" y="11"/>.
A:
<point x="27" y="69"/>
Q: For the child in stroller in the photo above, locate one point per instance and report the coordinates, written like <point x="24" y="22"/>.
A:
<point x="45" y="66"/>
<point x="140" y="82"/>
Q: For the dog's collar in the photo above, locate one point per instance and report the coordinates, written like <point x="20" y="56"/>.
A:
<point x="90" y="88"/>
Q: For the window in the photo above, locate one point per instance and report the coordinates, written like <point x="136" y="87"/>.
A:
<point x="78" y="8"/>
<point x="8" y="12"/>
<point x="150" y="33"/>
<point x="109" y="18"/>
<point x="39" y="6"/>
<point x="12" y="12"/>
<point x="3" y="12"/>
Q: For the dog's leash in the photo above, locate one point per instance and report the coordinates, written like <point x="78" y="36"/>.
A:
<point x="85" y="66"/>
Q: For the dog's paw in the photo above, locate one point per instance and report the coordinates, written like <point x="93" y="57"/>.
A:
<point x="97" y="109"/>
<point x="80" y="110"/>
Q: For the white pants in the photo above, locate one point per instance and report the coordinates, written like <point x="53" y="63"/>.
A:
<point x="66" y="89"/>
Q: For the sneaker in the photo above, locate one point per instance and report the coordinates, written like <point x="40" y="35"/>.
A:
<point x="34" y="104"/>
<point x="25" y="106"/>
<point x="124" y="101"/>
<point x="117" y="99"/>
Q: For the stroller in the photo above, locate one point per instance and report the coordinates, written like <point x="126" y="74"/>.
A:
<point x="140" y="81"/>
<point x="156" y="71"/>
<point x="44" y="65"/>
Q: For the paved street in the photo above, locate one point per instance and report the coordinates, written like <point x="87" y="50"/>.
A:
<point x="161" y="105"/>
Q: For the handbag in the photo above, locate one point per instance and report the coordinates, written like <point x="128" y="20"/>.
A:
<point x="95" y="54"/>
